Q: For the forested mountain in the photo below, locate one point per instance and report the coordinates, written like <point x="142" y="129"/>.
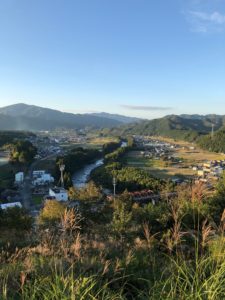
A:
<point x="182" y="127"/>
<point x="185" y="127"/>
<point x="29" y="117"/>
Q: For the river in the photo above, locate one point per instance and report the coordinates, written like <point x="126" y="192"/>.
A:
<point x="80" y="178"/>
<point x="4" y="158"/>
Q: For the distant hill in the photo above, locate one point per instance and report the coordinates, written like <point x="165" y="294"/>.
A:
<point x="119" y="118"/>
<point x="180" y="127"/>
<point x="30" y="117"/>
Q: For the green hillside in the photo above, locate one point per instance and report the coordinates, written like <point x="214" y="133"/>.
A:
<point x="173" y="126"/>
<point x="215" y="143"/>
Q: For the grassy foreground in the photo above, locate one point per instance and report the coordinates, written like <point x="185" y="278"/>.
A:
<point x="172" y="250"/>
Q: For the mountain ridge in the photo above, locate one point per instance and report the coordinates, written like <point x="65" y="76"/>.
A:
<point x="173" y="126"/>
<point x="22" y="116"/>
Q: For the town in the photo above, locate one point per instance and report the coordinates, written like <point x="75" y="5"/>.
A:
<point x="43" y="186"/>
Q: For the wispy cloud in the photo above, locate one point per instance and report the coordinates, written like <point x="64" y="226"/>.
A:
<point x="144" y="107"/>
<point x="206" y="22"/>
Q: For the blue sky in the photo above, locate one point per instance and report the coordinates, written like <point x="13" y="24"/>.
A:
<point x="141" y="58"/>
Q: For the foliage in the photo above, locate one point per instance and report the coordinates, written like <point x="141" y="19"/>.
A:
<point x="149" y="252"/>
<point x="115" y="155"/>
<point x="201" y="278"/>
<point x="110" y="147"/>
<point x="15" y="218"/>
<point x="129" y="178"/>
<point x="122" y="214"/>
<point x="215" y="143"/>
<point x="52" y="212"/>
<point x="8" y="137"/>
<point x="22" y="152"/>
<point x="90" y="192"/>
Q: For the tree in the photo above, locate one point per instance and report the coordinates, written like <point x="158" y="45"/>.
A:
<point x="122" y="214"/>
<point x="22" y="152"/>
<point x="15" y="217"/>
<point x="51" y="213"/>
<point x="90" y="192"/>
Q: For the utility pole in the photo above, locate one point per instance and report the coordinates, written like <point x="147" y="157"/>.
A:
<point x="114" y="188"/>
<point x="62" y="168"/>
<point x="212" y="133"/>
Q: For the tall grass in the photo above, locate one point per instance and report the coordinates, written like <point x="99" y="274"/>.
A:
<point x="68" y="263"/>
<point x="198" y="279"/>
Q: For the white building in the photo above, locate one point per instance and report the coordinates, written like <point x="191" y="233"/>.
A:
<point x="19" y="177"/>
<point x="42" y="178"/>
<point x="38" y="173"/>
<point x="60" y="194"/>
<point x="9" y="205"/>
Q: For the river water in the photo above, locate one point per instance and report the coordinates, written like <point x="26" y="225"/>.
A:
<point x="80" y="178"/>
<point x="3" y="158"/>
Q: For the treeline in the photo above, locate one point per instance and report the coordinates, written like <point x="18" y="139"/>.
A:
<point x="119" y="153"/>
<point x="8" y="137"/>
<point x="127" y="178"/>
<point x="215" y="143"/>
<point x="15" y="217"/>
<point x="110" y="147"/>
<point x="115" y="155"/>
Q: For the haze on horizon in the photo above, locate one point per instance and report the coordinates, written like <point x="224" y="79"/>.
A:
<point x="138" y="58"/>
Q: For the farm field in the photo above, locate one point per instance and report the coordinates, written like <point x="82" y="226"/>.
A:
<point x="92" y="143"/>
<point x="102" y="140"/>
<point x="157" y="167"/>
<point x="196" y="155"/>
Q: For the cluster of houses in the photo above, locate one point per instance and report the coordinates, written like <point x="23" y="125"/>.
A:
<point x="65" y="136"/>
<point x="50" y="149"/>
<point x="159" y="150"/>
<point x="42" y="183"/>
<point x="212" y="169"/>
<point x="39" y="178"/>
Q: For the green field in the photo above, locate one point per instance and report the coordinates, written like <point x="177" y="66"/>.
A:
<point x="92" y="143"/>
<point x="102" y="140"/>
<point x="158" y="167"/>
